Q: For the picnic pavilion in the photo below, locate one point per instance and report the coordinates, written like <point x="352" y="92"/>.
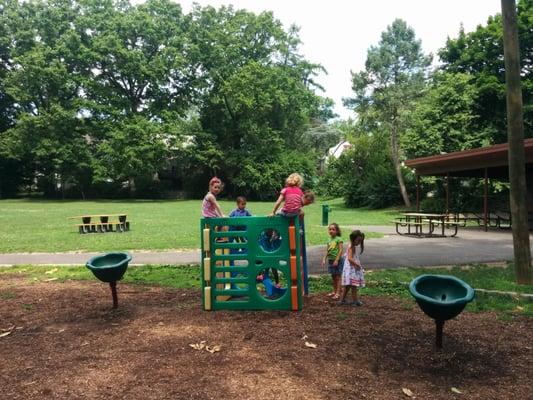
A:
<point x="485" y="162"/>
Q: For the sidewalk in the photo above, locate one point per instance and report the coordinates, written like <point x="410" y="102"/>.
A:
<point x="391" y="251"/>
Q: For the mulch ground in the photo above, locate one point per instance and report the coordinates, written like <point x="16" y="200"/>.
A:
<point x="66" y="343"/>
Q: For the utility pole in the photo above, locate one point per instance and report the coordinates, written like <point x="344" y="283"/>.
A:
<point x="515" y="137"/>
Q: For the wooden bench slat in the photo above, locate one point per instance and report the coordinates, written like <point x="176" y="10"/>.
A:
<point x="98" y="216"/>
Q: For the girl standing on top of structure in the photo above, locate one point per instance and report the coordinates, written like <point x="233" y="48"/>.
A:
<point x="293" y="197"/>
<point x="210" y="207"/>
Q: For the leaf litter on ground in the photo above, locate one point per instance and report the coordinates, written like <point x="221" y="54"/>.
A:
<point x="204" y="346"/>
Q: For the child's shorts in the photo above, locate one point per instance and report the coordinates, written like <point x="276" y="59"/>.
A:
<point x="335" y="270"/>
<point x="288" y="214"/>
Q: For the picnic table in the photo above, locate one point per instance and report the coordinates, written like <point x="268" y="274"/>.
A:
<point x="497" y="219"/>
<point x="415" y="222"/>
<point x="102" y="223"/>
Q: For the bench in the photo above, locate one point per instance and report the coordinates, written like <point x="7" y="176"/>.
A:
<point x="498" y="219"/>
<point x="503" y="219"/>
<point x="405" y="223"/>
<point x="104" y="223"/>
<point x="416" y="221"/>
<point x="446" y="225"/>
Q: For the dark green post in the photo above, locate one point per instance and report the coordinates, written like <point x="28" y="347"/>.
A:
<point x="325" y="211"/>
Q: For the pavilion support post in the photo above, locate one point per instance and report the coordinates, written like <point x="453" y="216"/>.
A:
<point x="447" y="188"/>
<point x="515" y="137"/>
<point x="417" y="193"/>
<point x="486" y="200"/>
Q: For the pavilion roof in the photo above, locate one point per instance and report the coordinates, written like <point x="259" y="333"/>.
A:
<point x="472" y="163"/>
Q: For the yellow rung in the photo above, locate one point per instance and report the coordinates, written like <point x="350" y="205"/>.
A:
<point x="226" y="263"/>
<point x="207" y="245"/>
<point x="207" y="297"/>
<point x="207" y="269"/>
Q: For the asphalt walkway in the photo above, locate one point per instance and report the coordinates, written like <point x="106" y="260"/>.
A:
<point x="391" y="251"/>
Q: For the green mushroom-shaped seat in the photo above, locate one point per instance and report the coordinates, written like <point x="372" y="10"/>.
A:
<point x="109" y="267"/>
<point x="441" y="297"/>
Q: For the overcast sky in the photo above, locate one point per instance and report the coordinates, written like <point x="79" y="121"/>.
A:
<point x="337" y="33"/>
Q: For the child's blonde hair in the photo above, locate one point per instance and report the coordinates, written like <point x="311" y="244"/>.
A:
<point x="295" y="179"/>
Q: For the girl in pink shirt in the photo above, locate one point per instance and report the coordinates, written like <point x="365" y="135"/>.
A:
<point x="210" y="207"/>
<point x="293" y="197"/>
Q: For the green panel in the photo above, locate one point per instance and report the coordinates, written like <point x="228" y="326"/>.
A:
<point x="258" y="260"/>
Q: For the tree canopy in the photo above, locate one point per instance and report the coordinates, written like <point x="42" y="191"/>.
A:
<point x="99" y="96"/>
<point x="106" y="98"/>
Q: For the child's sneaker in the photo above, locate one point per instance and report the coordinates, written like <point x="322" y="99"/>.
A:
<point x="342" y="302"/>
<point x="358" y="303"/>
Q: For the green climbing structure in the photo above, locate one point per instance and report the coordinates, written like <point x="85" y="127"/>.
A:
<point x="241" y="255"/>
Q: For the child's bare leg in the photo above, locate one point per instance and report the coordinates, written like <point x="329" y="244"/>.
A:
<point x="337" y="285"/>
<point x="344" y="292"/>
<point x="334" y="284"/>
<point x="354" y="294"/>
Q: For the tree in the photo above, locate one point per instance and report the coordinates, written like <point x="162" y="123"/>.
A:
<point x="363" y="175"/>
<point x="393" y="79"/>
<point x="517" y="172"/>
<point x="479" y="54"/>
<point x="98" y="93"/>
<point x="138" y="84"/>
<point x="443" y="120"/>
<point x="256" y="101"/>
<point x="43" y="79"/>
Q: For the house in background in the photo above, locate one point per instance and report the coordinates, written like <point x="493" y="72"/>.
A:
<point x="334" y="151"/>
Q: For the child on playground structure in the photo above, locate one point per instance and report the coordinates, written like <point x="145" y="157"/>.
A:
<point x="293" y="197"/>
<point x="353" y="275"/>
<point x="270" y="241"/>
<point x="334" y="259"/>
<point x="210" y="207"/>
<point x="241" y="210"/>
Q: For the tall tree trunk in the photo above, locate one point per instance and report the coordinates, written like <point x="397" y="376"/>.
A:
<point x="395" y="156"/>
<point x="515" y="134"/>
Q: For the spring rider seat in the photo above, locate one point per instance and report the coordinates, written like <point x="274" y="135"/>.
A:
<point x="110" y="268"/>
<point x="441" y="297"/>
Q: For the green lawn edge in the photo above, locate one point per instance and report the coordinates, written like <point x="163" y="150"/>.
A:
<point x="391" y="282"/>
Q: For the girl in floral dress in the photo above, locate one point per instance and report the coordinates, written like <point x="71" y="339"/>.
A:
<point x="353" y="274"/>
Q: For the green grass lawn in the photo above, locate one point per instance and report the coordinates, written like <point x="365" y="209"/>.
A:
<point x="391" y="282"/>
<point x="42" y="225"/>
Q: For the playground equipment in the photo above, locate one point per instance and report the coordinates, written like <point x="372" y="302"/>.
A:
<point x="110" y="268"/>
<point x="237" y="264"/>
<point x="441" y="297"/>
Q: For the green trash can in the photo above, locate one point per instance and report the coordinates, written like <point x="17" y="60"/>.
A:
<point x="325" y="211"/>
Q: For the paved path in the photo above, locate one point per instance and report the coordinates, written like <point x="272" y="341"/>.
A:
<point x="392" y="251"/>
